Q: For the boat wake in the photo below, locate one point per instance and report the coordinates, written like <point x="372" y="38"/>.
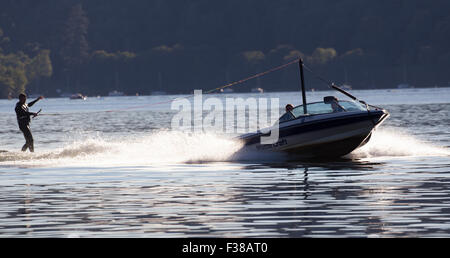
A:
<point x="157" y="148"/>
<point x="171" y="147"/>
<point x="392" y="142"/>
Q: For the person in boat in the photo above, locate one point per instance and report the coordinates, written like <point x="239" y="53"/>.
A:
<point x="23" y="119"/>
<point x="288" y="115"/>
<point x="333" y="101"/>
<point x="289" y="108"/>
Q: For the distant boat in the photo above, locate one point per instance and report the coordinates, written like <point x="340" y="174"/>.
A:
<point x="257" y="90"/>
<point x="78" y="96"/>
<point x="346" y="87"/>
<point x="115" y="93"/>
<point x="158" y="92"/>
<point x="226" y="90"/>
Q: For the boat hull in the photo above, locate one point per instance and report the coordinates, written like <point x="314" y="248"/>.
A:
<point x="328" y="135"/>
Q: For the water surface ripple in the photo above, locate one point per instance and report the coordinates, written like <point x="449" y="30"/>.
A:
<point x="125" y="176"/>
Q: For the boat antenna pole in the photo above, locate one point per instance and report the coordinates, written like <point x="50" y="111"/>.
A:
<point x="302" y="79"/>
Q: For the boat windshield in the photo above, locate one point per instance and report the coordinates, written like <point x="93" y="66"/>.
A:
<point x="324" y="108"/>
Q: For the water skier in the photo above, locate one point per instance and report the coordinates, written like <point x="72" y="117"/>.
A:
<point x="23" y="119"/>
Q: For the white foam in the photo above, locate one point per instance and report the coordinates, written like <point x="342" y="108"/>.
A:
<point x="395" y="142"/>
<point x="156" y="148"/>
<point x="172" y="147"/>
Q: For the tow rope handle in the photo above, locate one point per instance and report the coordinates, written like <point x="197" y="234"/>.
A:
<point x="37" y="113"/>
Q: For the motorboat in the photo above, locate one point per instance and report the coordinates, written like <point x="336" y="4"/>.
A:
<point x="116" y="93"/>
<point x="226" y="90"/>
<point x="257" y="90"/>
<point x="322" y="132"/>
<point x="346" y="87"/>
<point x="78" y="96"/>
<point x="329" y="128"/>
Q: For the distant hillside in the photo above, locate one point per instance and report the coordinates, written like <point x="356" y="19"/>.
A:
<point x="140" y="46"/>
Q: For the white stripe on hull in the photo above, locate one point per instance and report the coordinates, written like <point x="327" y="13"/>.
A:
<point x="333" y="134"/>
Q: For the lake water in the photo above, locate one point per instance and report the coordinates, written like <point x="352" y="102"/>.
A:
<point x="126" y="174"/>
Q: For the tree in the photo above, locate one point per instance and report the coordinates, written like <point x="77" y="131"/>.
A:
<point x="39" y="66"/>
<point x="75" y="50"/>
<point x="321" y="56"/>
<point x="3" y="40"/>
<point x="200" y="43"/>
<point x="109" y="67"/>
<point x="13" y="74"/>
<point x="254" y="57"/>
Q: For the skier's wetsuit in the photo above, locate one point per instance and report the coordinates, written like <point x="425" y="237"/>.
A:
<point x="23" y="119"/>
